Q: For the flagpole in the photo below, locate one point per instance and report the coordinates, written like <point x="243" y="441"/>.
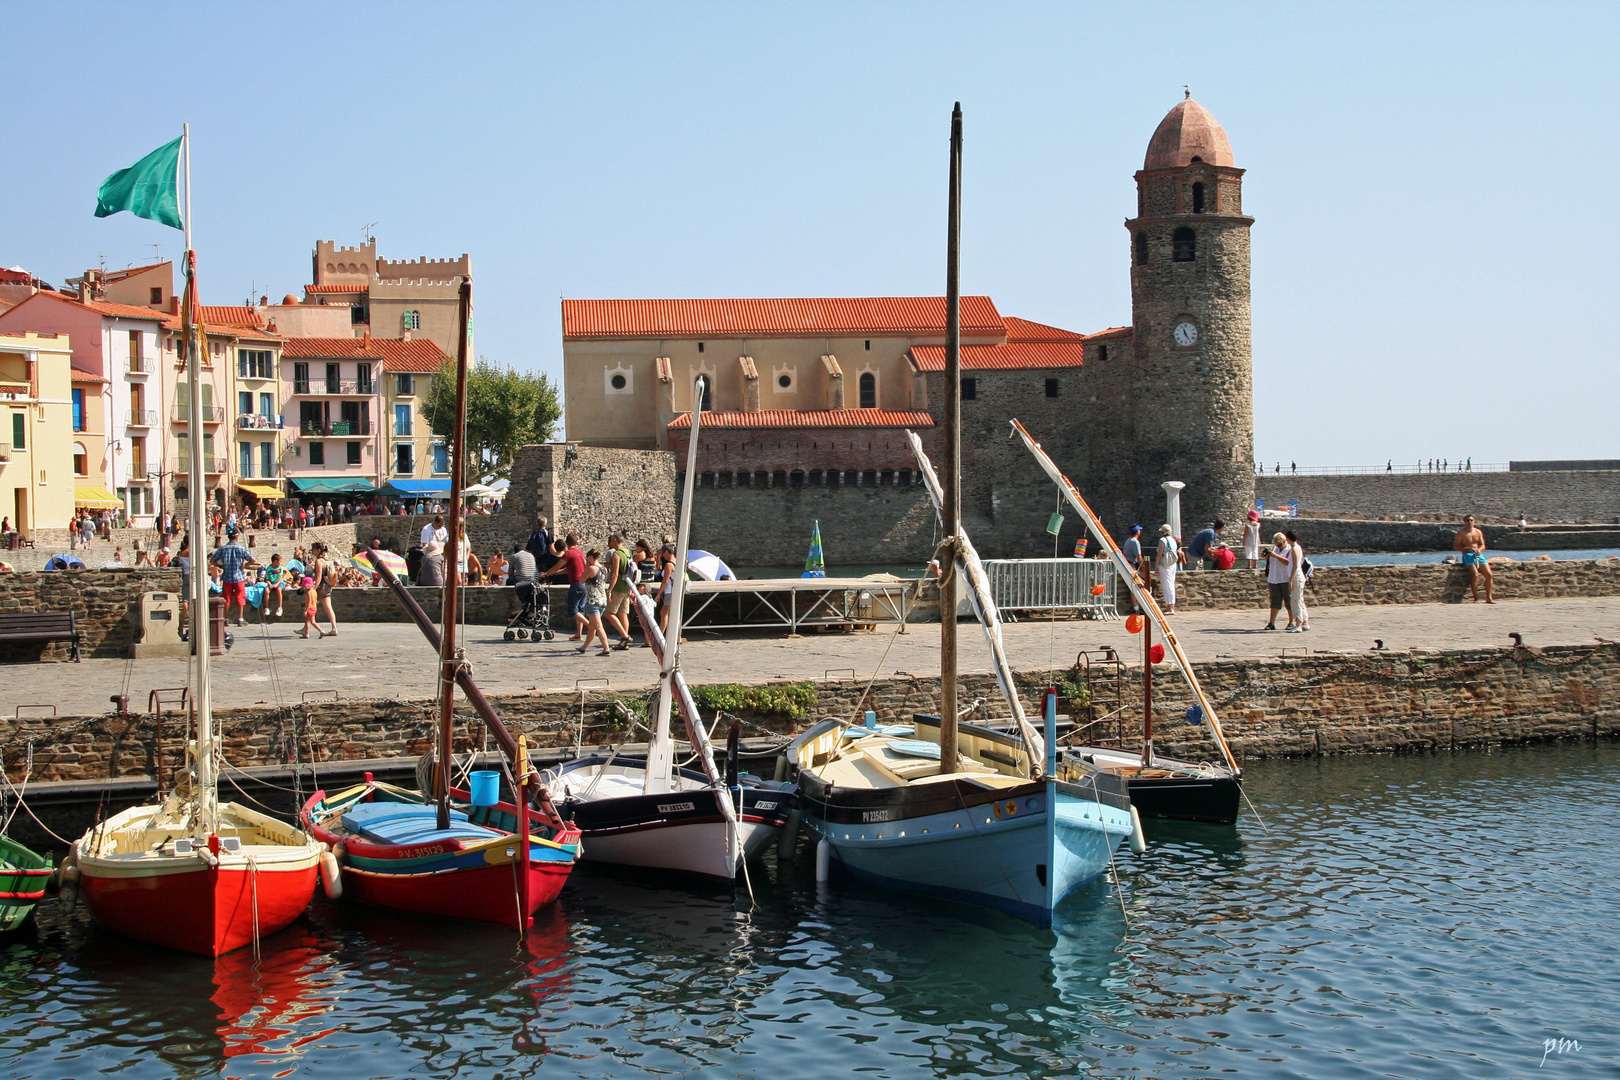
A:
<point x="191" y="336"/>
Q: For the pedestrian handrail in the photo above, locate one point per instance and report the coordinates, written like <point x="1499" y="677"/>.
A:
<point x="1389" y="468"/>
<point x="1055" y="585"/>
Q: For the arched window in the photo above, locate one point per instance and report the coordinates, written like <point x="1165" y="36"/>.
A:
<point x="81" y="460"/>
<point x="707" y="404"/>
<point x="868" y="390"/>
<point x="1198" y="198"/>
<point x="1141" y="249"/>
<point x="1184" y="245"/>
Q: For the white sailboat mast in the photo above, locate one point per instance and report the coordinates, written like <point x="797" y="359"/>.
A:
<point x="194" y="339"/>
<point x="660" y="753"/>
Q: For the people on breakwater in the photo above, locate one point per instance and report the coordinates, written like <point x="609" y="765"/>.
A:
<point x="1471" y="542"/>
<point x="1279" y="580"/>
<point x="1168" y="558"/>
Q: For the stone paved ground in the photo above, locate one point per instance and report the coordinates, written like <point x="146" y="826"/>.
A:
<point x="392" y="659"/>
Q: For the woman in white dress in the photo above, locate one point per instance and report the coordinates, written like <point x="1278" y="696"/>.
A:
<point x="1251" y="541"/>
<point x="1168" y="558"/>
<point x="1296" y="582"/>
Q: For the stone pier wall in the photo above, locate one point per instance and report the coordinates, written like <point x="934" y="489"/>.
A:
<point x="1496" y="497"/>
<point x="106" y="603"/>
<point x="1272" y="707"/>
<point x="1338" y="586"/>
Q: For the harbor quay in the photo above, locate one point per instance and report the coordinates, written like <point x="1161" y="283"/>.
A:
<point x="1366" y="678"/>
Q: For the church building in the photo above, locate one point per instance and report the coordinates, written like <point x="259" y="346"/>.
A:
<point x="818" y="392"/>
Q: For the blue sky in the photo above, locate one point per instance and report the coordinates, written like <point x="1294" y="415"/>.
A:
<point x="1435" y="252"/>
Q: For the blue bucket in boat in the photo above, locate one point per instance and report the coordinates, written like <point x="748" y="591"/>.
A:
<point x="486" y="788"/>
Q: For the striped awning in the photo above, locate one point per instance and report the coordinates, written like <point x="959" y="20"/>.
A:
<point x="96" y="498"/>
<point x="263" y="491"/>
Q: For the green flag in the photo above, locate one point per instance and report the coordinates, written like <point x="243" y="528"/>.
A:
<point x="146" y="189"/>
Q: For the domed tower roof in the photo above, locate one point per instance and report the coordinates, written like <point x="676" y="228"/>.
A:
<point x="1188" y="131"/>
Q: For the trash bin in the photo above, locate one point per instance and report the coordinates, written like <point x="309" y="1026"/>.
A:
<point x="216" y="625"/>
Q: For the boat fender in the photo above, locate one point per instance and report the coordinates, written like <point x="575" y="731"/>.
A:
<point x="331" y="876"/>
<point x="781" y="767"/>
<point x="787" y="845"/>
<point x="208" y="857"/>
<point x="67" y="880"/>
<point x="1138" y="840"/>
<point x="823" y="860"/>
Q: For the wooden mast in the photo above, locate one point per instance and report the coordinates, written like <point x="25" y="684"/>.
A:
<point x="951" y="458"/>
<point x="449" y="660"/>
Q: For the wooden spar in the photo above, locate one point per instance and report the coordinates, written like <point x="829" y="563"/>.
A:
<point x="680" y="693"/>
<point x="1127" y="574"/>
<point x="951" y="458"/>
<point x="1147" y="693"/>
<point x="449" y="660"/>
<point x="984" y="605"/>
<point x="475" y="697"/>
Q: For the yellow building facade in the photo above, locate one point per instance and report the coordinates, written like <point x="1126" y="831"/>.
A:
<point x="36" y="433"/>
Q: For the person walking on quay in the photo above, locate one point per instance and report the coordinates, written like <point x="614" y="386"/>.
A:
<point x="310" y="602"/>
<point x="666" y="584"/>
<point x="621" y="579"/>
<point x="1471" y="542"/>
<point x="571" y="562"/>
<point x="1131" y="550"/>
<point x="1251" y="541"/>
<point x="1277" y="580"/>
<point x="1296" y="583"/>
<point x="596" y="592"/>
<point x="231" y="558"/>
<point x="325" y="578"/>
<point x="432" y="573"/>
<point x="1170" y="556"/>
<point x="539" y="544"/>
<point x="1203" y="544"/>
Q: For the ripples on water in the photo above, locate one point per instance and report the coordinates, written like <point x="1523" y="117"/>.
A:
<point x="1402" y="917"/>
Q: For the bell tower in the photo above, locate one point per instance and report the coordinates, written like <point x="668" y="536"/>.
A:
<point x="1193" y="400"/>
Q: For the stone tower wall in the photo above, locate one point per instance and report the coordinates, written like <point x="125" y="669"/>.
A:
<point x="1193" y="407"/>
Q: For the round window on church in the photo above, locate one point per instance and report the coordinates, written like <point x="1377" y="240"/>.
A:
<point x="784" y="381"/>
<point x="617" y="382"/>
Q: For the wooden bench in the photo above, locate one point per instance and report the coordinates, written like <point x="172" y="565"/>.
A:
<point x="42" y="626"/>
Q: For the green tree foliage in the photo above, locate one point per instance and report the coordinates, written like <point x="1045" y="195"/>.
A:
<point x="505" y="410"/>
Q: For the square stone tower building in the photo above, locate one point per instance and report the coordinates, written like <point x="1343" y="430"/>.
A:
<point x="1191" y="412"/>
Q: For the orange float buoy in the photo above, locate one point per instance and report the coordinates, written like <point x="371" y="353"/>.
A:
<point x="1098" y="590"/>
<point x="1156" y="653"/>
<point x="1133" y="624"/>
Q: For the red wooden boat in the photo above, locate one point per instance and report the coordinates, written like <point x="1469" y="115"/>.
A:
<point x="392" y="853"/>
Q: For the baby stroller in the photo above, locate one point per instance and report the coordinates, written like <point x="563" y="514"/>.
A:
<point x="533" y="623"/>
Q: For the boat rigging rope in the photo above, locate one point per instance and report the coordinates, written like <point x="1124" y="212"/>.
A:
<point x="1108" y="845"/>
<point x="898" y="626"/>
<point x="253" y="884"/>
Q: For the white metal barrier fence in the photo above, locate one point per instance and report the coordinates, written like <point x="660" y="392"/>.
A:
<point x="1055" y="585"/>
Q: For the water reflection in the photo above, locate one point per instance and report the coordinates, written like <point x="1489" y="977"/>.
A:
<point x="1418" y="917"/>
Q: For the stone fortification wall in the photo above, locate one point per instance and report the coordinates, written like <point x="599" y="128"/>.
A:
<point x="881" y="522"/>
<point x="1273" y="707"/>
<point x="1492" y="497"/>
<point x="106" y="603"/>
<point x="1337" y="586"/>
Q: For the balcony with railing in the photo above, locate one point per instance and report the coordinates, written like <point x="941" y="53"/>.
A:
<point x="5" y="451"/>
<point x="140" y="417"/>
<point x="258" y="421"/>
<point x="140" y="470"/>
<point x="334" y="428"/>
<point x="259" y="472"/>
<point x="211" y="465"/>
<point x="139" y="365"/>
<point x="348" y="387"/>
<point x="211" y="414"/>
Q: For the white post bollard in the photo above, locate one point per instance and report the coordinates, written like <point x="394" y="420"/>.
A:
<point x="823" y="859"/>
<point x="1172" y="506"/>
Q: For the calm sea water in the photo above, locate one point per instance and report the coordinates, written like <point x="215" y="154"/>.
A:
<point x="1397" y="917"/>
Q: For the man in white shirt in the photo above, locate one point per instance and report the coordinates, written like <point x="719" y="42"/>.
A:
<point x="435" y="532"/>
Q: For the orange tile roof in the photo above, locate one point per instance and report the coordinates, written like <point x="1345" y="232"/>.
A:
<point x="1111" y="334"/>
<point x="1011" y="356"/>
<point x="1025" y="331"/>
<point x="230" y="315"/>
<point x="816" y="418"/>
<point x="81" y="375"/>
<point x="129" y="272"/>
<point x="418" y="354"/>
<point x="335" y="288"/>
<point x="836" y="316"/>
<point x="119" y="311"/>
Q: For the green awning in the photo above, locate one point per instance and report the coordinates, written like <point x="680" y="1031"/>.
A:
<point x="323" y="485"/>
